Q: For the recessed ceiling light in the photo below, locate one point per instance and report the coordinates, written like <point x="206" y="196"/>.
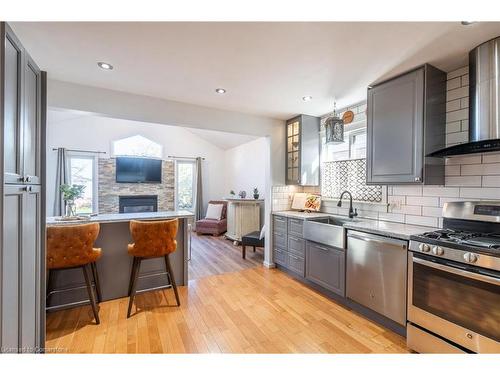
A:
<point x="467" y="23"/>
<point x="105" y="65"/>
<point x="220" y="91"/>
<point x="307" y="98"/>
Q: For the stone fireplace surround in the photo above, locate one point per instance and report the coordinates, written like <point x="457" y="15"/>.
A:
<point x="109" y="190"/>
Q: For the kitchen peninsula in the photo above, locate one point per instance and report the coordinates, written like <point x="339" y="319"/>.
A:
<point x="115" y="264"/>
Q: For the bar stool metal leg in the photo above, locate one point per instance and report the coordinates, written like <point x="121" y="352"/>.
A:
<point x="172" y="279"/>
<point x="90" y="291"/>
<point x="50" y="276"/>
<point x="133" y="287"/>
<point x="95" y="275"/>
<point x="134" y="260"/>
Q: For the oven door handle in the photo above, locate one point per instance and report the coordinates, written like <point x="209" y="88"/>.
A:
<point x="470" y="275"/>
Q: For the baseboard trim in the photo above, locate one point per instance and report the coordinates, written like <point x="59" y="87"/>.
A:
<point x="269" y="265"/>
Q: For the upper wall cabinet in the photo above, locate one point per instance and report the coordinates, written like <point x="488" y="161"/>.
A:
<point x="22" y="114"/>
<point x="406" y="119"/>
<point x="302" y="151"/>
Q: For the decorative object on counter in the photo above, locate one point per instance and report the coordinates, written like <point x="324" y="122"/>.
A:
<point x="232" y="194"/>
<point x="70" y="194"/>
<point x="306" y="202"/>
<point x="256" y="193"/>
<point x="242" y="194"/>
<point x="334" y="127"/>
<point x="347" y="117"/>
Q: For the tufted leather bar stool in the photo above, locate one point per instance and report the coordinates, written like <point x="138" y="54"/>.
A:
<point x="152" y="239"/>
<point x="72" y="246"/>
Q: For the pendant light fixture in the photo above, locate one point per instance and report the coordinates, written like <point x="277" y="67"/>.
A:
<point x="334" y="127"/>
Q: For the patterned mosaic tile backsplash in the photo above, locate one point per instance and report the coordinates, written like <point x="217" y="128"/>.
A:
<point x="338" y="176"/>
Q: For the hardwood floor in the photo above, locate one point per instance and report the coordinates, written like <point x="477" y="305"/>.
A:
<point x="256" y="310"/>
<point x="215" y="255"/>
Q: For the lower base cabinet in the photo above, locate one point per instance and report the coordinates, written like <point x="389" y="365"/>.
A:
<point x="325" y="266"/>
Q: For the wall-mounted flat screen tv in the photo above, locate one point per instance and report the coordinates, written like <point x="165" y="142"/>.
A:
<point x="137" y="170"/>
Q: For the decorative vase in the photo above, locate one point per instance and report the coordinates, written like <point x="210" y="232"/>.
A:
<point x="70" y="209"/>
<point x="256" y="196"/>
<point x="242" y="194"/>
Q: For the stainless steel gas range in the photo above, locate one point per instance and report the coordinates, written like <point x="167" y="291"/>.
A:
<point x="454" y="282"/>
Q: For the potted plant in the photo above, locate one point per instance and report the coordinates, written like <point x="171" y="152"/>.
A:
<point x="70" y="194"/>
<point x="232" y="194"/>
<point x="256" y="193"/>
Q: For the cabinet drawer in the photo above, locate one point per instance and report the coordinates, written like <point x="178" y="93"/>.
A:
<point x="296" y="264"/>
<point x="279" y="224"/>
<point x="295" y="227"/>
<point x="296" y="246"/>
<point x="280" y="257"/>
<point x="280" y="240"/>
<point x="325" y="266"/>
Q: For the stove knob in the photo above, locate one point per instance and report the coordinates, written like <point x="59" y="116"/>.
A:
<point x="437" y="250"/>
<point x="424" y="248"/>
<point x="471" y="257"/>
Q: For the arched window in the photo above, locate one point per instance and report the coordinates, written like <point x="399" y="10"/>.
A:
<point x="137" y="145"/>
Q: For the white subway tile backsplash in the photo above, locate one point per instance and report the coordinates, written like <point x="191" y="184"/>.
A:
<point x="481" y="169"/>
<point x="440" y="191"/>
<point x="461" y="114"/>
<point x="463" y="181"/>
<point x="407" y="190"/>
<point x="422" y="201"/>
<point x="491" y="181"/>
<point x="458" y="93"/>
<point x="491" y="158"/>
<point x="432" y="211"/>
<point x="459" y="137"/>
<point x="458" y="72"/>
<point x="453" y="127"/>
<point x="398" y="218"/>
<point x="480" y="193"/>
<point x="453" y="83"/>
<point x="452" y="170"/>
<point x="407" y="210"/>
<point x="454" y="105"/>
<point x="421" y="220"/>
<point x="465" y="159"/>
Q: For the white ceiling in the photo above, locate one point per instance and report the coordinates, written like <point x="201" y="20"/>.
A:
<point x="266" y="67"/>
<point x="222" y="140"/>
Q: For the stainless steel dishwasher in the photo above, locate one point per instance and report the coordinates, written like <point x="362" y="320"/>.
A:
<point x="376" y="273"/>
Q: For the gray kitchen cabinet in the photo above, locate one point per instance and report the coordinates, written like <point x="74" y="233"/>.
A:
<point x="325" y="266"/>
<point x="406" y="119"/>
<point x="302" y="151"/>
<point x="22" y="256"/>
<point x="288" y="244"/>
<point x="12" y="101"/>
<point x="32" y="122"/>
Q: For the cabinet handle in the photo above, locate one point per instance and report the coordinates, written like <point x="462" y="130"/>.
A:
<point x="417" y="179"/>
<point x="27" y="188"/>
<point x="322" y="248"/>
<point x="293" y="257"/>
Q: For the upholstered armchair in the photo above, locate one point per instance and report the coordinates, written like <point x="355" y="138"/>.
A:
<point x="213" y="226"/>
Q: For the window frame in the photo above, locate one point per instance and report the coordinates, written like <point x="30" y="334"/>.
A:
<point x="114" y="154"/>
<point x="95" y="184"/>
<point x="194" y="184"/>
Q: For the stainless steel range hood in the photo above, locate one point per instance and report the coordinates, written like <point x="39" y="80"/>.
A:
<point x="484" y="102"/>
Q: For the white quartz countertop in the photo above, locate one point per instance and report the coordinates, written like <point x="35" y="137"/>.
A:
<point x="384" y="228"/>
<point x="388" y="229"/>
<point x="116" y="218"/>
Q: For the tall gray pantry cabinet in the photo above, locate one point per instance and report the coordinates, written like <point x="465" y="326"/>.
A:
<point x="22" y="228"/>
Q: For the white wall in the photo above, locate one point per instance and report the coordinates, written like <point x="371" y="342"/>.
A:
<point x="245" y="167"/>
<point x="98" y="133"/>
